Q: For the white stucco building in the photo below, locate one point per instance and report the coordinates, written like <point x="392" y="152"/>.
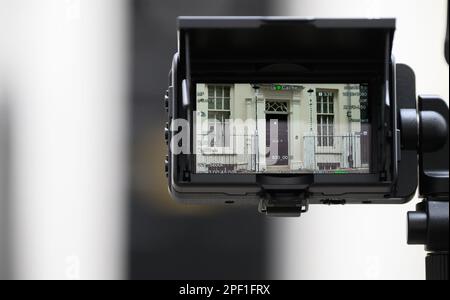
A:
<point x="300" y="128"/>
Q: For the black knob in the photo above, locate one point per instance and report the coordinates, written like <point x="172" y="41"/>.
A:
<point x="166" y="166"/>
<point x="167" y="133"/>
<point x="417" y="228"/>
<point x="166" y="101"/>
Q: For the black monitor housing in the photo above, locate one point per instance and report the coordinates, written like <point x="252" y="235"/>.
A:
<point x="266" y="50"/>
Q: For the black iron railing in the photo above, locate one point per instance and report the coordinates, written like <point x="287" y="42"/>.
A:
<point x="331" y="153"/>
<point x="346" y="153"/>
<point x="238" y="155"/>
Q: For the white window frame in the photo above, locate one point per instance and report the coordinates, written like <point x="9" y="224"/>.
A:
<point x="329" y="138"/>
<point x="219" y="150"/>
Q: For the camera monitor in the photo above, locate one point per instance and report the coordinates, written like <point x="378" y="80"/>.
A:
<point x="287" y="112"/>
<point x="282" y="128"/>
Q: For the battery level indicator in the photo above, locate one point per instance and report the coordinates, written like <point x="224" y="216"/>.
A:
<point x="341" y="172"/>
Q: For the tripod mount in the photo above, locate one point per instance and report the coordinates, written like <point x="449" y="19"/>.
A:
<point x="426" y="129"/>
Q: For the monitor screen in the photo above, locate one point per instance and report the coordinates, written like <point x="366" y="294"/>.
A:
<point x="292" y="128"/>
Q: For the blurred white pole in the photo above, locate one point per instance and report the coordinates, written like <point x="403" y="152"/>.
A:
<point x="4" y="152"/>
<point x="366" y="242"/>
<point x="68" y="74"/>
<point x="4" y="185"/>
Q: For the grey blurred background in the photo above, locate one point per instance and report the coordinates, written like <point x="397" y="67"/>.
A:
<point x="170" y="241"/>
<point x="82" y="189"/>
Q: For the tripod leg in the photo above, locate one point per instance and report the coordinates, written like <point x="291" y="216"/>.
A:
<point x="429" y="226"/>
<point x="437" y="266"/>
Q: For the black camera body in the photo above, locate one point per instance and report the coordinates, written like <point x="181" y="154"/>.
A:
<point x="318" y="66"/>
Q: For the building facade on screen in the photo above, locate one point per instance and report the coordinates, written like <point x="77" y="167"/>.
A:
<point x="282" y="128"/>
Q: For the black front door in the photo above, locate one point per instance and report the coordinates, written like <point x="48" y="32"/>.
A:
<point x="281" y="143"/>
